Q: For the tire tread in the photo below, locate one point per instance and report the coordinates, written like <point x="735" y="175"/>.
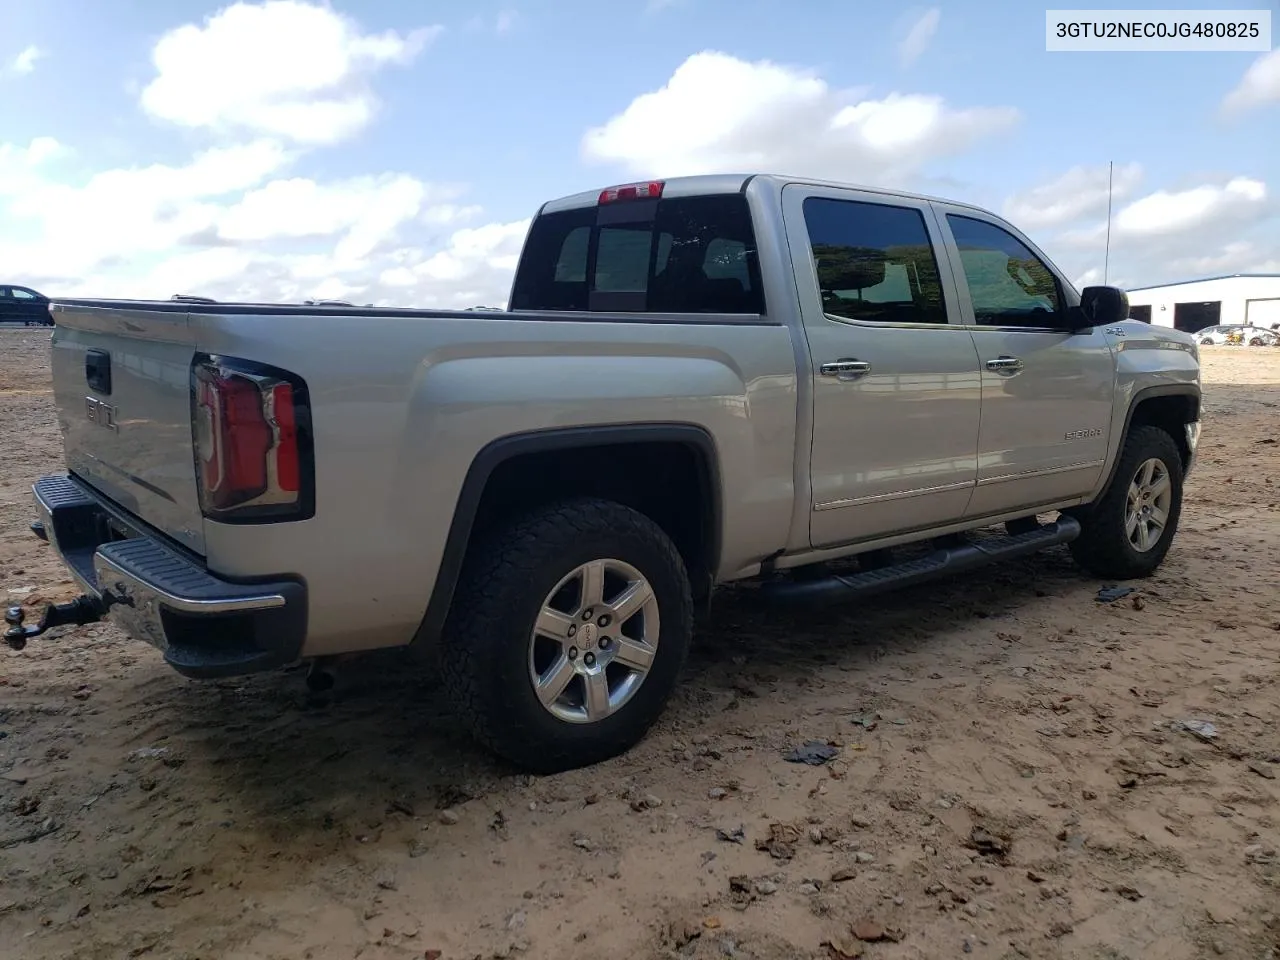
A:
<point x="1101" y="549"/>
<point x="495" y="570"/>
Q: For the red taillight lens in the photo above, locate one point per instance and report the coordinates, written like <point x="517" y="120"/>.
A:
<point x="288" y="469"/>
<point x="649" y="190"/>
<point x="248" y="446"/>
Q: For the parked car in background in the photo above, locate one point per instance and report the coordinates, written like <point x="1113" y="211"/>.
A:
<point x="24" y="305"/>
<point x="1237" y="334"/>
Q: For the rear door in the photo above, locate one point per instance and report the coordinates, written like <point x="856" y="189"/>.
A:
<point x="896" y="387"/>
<point x="122" y="386"/>
<point x="1047" y="392"/>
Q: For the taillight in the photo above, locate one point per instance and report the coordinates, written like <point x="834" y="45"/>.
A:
<point x="251" y="430"/>
<point x="649" y="190"/>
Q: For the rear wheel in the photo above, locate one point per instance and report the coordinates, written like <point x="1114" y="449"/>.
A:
<point x="1206" y="341"/>
<point x="567" y="634"/>
<point x="1127" y="532"/>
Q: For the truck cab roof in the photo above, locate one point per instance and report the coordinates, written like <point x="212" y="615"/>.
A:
<point x="701" y="184"/>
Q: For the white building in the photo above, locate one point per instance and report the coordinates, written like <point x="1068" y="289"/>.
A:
<point x="1195" y="304"/>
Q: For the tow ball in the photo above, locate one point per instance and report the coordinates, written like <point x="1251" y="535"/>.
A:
<point x="78" y="612"/>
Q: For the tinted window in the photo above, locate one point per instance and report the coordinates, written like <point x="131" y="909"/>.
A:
<point x="679" y="255"/>
<point x="1008" y="284"/>
<point x="874" y="262"/>
<point x="20" y="294"/>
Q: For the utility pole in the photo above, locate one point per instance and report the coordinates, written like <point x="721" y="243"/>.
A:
<point x="1106" y="257"/>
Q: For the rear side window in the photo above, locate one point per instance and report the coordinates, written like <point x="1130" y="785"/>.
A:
<point x="676" y="255"/>
<point x="874" y="261"/>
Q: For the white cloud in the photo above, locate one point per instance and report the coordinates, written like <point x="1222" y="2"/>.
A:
<point x="65" y="229"/>
<point x="21" y="167"/>
<point x="283" y="68"/>
<point x="718" y="113"/>
<point x="477" y="260"/>
<point x="1162" y="213"/>
<point x="1080" y="192"/>
<point x="1200" y="212"/>
<point x="919" y="37"/>
<point x="25" y="61"/>
<point x="1238" y="256"/>
<point x="1089" y="278"/>
<point x="366" y="209"/>
<point x="1259" y="86"/>
<point x="230" y="224"/>
<point x="1228" y="226"/>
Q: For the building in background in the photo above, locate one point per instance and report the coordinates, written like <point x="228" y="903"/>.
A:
<point x="1192" y="305"/>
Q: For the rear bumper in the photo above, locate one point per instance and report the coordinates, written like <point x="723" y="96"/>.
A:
<point x="205" y="626"/>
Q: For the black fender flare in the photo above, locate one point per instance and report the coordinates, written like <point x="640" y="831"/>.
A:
<point x="1149" y="393"/>
<point x="499" y="451"/>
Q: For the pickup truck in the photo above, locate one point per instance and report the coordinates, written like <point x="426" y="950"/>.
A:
<point x="696" y="381"/>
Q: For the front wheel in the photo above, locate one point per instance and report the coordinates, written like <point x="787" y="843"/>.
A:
<point x="567" y="634"/>
<point x="1206" y="341"/>
<point x="1127" y="532"/>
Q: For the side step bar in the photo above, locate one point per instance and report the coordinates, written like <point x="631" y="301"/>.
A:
<point x="839" y="588"/>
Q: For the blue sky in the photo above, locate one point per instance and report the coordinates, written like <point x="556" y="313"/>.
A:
<point x="485" y="112"/>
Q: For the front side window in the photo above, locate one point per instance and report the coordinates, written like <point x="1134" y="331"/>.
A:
<point x="677" y="255"/>
<point x="1008" y="284"/>
<point x="20" y="294"/>
<point x="875" y="262"/>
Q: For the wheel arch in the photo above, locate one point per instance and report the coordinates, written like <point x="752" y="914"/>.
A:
<point x="494" y="466"/>
<point x="1169" y="406"/>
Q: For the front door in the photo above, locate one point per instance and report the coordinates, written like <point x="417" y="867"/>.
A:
<point x="28" y="306"/>
<point x="1047" y="393"/>
<point x="896" y="390"/>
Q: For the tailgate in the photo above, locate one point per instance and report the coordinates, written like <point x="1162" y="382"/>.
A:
<point x="122" y="386"/>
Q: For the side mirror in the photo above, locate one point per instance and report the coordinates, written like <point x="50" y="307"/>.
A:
<point x="1100" y="306"/>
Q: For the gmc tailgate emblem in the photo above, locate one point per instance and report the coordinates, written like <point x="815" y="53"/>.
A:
<point x="102" y="414"/>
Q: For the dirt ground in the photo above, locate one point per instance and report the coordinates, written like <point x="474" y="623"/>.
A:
<point x="1011" y="781"/>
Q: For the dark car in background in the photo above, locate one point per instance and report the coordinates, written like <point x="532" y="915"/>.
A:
<point x="24" y="305"/>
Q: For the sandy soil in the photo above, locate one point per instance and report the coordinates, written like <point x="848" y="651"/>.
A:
<point x="1011" y="778"/>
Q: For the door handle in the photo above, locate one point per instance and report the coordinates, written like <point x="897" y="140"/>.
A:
<point x="1005" y="364"/>
<point x="845" y="368"/>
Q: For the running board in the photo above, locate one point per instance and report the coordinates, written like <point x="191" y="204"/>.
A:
<point x="942" y="562"/>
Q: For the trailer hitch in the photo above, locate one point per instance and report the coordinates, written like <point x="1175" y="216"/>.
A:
<point x="78" y="612"/>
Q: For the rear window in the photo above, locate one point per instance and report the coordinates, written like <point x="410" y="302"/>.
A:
<point x="677" y="255"/>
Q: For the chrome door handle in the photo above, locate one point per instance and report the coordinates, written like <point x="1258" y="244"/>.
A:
<point x="1005" y="364"/>
<point x="845" y="368"/>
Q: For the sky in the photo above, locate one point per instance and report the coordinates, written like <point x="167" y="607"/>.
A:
<point x="392" y="151"/>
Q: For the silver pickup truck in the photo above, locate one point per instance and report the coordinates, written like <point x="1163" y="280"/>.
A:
<point x="697" y="381"/>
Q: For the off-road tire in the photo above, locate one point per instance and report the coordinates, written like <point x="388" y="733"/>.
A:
<point x="485" y="641"/>
<point x="1103" y="548"/>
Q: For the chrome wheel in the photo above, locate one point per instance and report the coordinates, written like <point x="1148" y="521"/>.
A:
<point x="1147" y="509"/>
<point x="594" y="642"/>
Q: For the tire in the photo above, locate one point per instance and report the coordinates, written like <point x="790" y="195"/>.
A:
<point x="1255" y="342"/>
<point x="489" y="652"/>
<point x="1206" y="342"/>
<point x="1104" y="547"/>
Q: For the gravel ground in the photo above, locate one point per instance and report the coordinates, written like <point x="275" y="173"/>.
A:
<point x="1011" y="777"/>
